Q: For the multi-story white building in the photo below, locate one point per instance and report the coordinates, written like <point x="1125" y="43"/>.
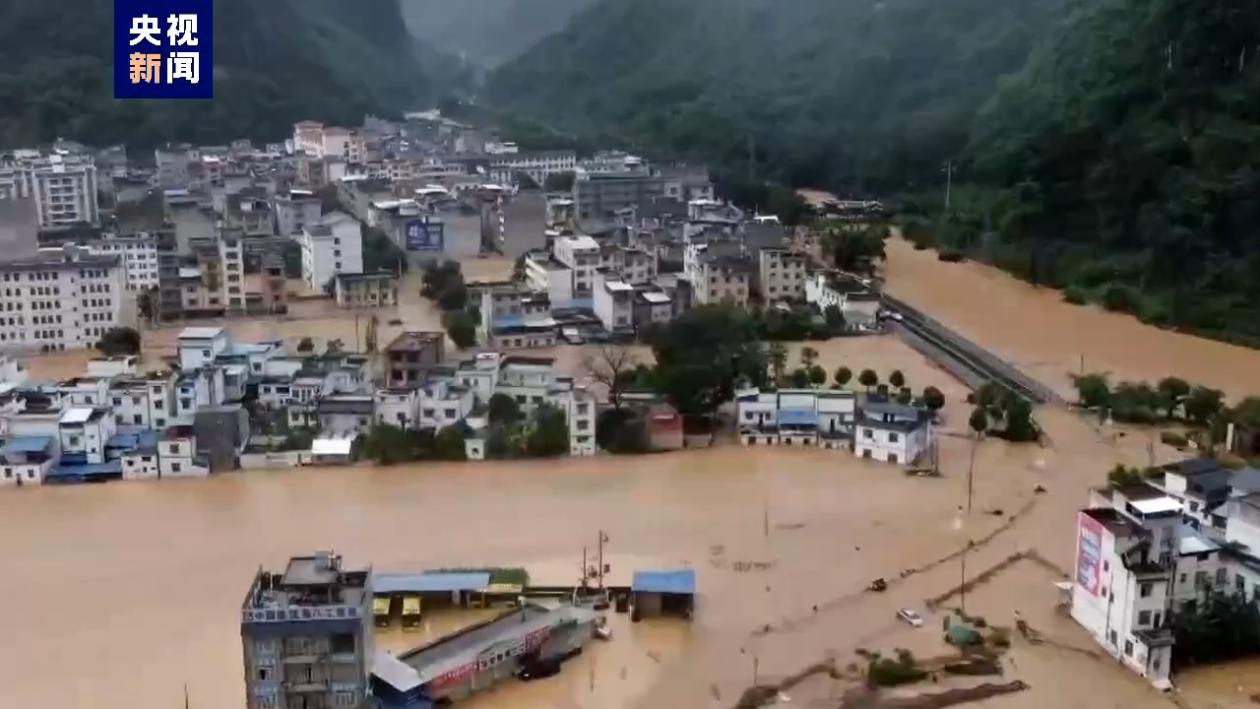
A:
<point x="1125" y="564"/>
<point x="781" y="274"/>
<point x="580" y="254"/>
<point x="801" y="417"/>
<point x="333" y="246"/>
<point x="59" y="300"/>
<point x="891" y="432"/>
<point x="613" y="302"/>
<point x="63" y="186"/>
<point x="539" y="165"/>
<point x="139" y="256"/>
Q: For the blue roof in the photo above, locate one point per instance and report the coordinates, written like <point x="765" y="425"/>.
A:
<point x="84" y="473"/>
<point x="27" y="444"/>
<point x="675" y="581"/>
<point x="509" y="320"/>
<point x="429" y="582"/>
<point x="133" y="440"/>
<point x="797" y="417"/>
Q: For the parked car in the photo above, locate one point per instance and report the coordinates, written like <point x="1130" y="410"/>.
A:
<point x="906" y="615"/>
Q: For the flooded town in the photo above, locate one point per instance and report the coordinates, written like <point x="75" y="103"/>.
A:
<point x="588" y="354"/>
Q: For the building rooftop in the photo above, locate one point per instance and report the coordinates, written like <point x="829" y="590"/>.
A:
<point x="682" y="581"/>
<point x="414" y="341"/>
<point x="1114" y="522"/>
<point x="26" y="444"/>
<point x="200" y="333"/>
<point x="307" y="582"/>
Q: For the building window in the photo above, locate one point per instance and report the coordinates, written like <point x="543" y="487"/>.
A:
<point x="176" y="467"/>
<point x="1221" y="574"/>
<point x="1128" y="648"/>
<point x="1144" y="618"/>
<point x="868" y="433"/>
<point x="893" y="438"/>
<point x="1145" y="590"/>
<point x="1240" y="584"/>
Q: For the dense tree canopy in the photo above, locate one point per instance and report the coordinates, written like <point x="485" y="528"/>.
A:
<point x="276" y="62"/>
<point x="852" y="94"/>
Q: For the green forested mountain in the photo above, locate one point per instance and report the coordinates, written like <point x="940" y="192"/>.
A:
<point x="855" y="94"/>
<point x="1124" y="162"/>
<point x="487" y="32"/>
<point x="276" y="62"/>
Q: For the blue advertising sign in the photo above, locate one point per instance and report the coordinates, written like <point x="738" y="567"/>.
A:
<point x="163" y="49"/>
<point x="425" y="236"/>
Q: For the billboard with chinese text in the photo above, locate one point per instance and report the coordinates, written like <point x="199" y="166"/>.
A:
<point x="1089" y="540"/>
<point x="420" y="235"/>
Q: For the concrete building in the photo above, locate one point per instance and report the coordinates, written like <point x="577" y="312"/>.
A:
<point x="1124" y="569"/>
<point x="614" y="303"/>
<point x="59" y="300"/>
<point x="580" y="254"/>
<point x="686" y="183"/>
<point x="307" y="635"/>
<point x="19" y="226"/>
<point x="538" y="165"/>
<point x="891" y="432"/>
<point x="722" y="279"/>
<point x="172" y="162"/>
<point x="365" y="290"/>
<point x="199" y="346"/>
<point x="331" y="247"/>
<point x="295" y="210"/>
<point x="781" y="275"/>
<point x="138" y="254"/>
<point x="62" y="186"/>
<point x="803" y="417"/>
<point x="597" y="195"/>
<point x="411" y="355"/>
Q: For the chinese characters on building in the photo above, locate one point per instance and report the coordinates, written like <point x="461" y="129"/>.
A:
<point x="162" y="49"/>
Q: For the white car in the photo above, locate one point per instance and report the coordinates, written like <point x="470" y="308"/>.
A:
<point x="908" y="616"/>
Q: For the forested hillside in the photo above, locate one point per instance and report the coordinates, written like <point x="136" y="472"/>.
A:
<point x="487" y="32"/>
<point x="1124" y="163"/>
<point x="854" y="94"/>
<point x="276" y="62"/>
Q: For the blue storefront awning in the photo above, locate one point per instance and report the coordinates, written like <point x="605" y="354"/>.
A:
<point x="681" y="581"/>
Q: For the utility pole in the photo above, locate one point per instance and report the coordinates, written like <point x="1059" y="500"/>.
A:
<point x="583" y="567"/>
<point x="962" y="584"/>
<point x="949" y="181"/>
<point x="971" y="470"/>
<point x="602" y="539"/>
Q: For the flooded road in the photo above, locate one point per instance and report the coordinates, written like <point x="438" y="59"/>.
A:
<point x="1049" y="338"/>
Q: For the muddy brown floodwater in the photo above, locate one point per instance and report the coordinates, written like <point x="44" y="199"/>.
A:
<point x="1047" y="337"/>
<point x="118" y="595"/>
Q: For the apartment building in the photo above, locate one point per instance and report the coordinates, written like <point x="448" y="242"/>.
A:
<point x="597" y="195"/>
<point x="539" y="165"/>
<point x="781" y="275"/>
<point x="59" y="300"/>
<point x="801" y="417"/>
<point x="138" y="254"/>
<point x="410" y="356"/>
<point x="307" y="635"/>
<point x="722" y="279"/>
<point x="63" y="186"/>
<point x="333" y="246"/>
<point x="614" y="303"/>
<point x="365" y="290"/>
<point x="295" y="210"/>
<point x="579" y="254"/>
